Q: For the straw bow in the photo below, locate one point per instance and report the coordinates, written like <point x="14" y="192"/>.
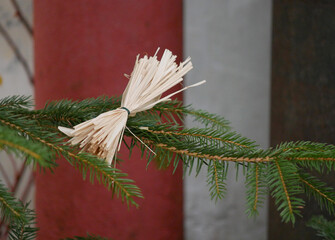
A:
<point x="150" y="78"/>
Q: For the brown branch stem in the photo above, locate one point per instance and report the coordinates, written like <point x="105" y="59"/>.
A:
<point x="216" y="179"/>
<point x="196" y="135"/>
<point x="256" y="192"/>
<point x="316" y="190"/>
<point x="22" y="17"/>
<point x="284" y="187"/>
<point x="208" y="156"/>
<point x="18" y="177"/>
<point x="17" y="53"/>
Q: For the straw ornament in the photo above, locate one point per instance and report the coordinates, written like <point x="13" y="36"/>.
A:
<point x="150" y="78"/>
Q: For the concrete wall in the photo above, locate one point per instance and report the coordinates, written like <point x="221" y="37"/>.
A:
<point x="229" y="42"/>
<point x="14" y="78"/>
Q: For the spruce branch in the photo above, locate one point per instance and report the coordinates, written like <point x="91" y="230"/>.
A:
<point x="69" y="113"/>
<point x="216" y="179"/>
<point x="206" y="156"/>
<point x="111" y="178"/>
<point x="176" y="109"/>
<point x="191" y="133"/>
<point x="323" y="194"/>
<point x="256" y="187"/>
<point x="212" y="147"/>
<point x="203" y="149"/>
<point x="314" y="156"/>
<point x="324" y="228"/>
<point x="184" y="144"/>
<point x="22" y="148"/>
<point x="11" y="141"/>
<point x="284" y="183"/>
<point x="11" y="210"/>
<point x="24" y="231"/>
<point x="15" y="102"/>
<point x="17" y="215"/>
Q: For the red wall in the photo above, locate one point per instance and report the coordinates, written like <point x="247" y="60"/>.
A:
<point x="82" y="49"/>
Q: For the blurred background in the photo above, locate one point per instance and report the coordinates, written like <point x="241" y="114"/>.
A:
<point x="229" y="42"/>
<point x="16" y="71"/>
<point x="230" y="45"/>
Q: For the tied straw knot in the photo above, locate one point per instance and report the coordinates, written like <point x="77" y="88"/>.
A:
<point x="150" y="78"/>
<point x="126" y="110"/>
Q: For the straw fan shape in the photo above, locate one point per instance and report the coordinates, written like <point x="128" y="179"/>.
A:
<point x="150" y="78"/>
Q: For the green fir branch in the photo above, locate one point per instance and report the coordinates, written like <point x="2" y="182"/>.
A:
<point x="210" y="136"/>
<point x="284" y="184"/>
<point x="15" y="102"/>
<point x="256" y="187"/>
<point x="198" y="143"/>
<point x="18" y="216"/>
<point x="212" y="147"/>
<point x="69" y="113"/>
<point x="112" y="179"/>
<point x="175" y="108"/>
<point x="216" y="179"/>
<point x="34" y="152"/>
<point x="323" y="194"/>
<point x="22" y="230"/>
<point x="314" y="156"/>
<point x="11" y="209"/>
<point x="324" y="228"/>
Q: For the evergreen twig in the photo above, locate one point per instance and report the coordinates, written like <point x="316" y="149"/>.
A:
<point x="324" y="228"/>
<point x="280" y="169"/>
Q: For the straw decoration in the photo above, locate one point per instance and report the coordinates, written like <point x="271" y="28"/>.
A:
<point x="150" y="78"/>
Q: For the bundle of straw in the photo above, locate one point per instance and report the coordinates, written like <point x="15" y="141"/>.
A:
<point x="150" y="78"/>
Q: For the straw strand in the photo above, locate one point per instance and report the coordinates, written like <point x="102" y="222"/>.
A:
<point x="150" y="78"/>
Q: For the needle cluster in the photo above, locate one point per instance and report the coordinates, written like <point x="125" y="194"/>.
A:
<point x="282" y="171"/>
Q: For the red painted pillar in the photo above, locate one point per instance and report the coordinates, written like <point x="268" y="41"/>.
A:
<point x="82" y="49"/>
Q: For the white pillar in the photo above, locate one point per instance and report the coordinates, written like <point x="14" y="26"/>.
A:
<point x="229" y="42"/>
